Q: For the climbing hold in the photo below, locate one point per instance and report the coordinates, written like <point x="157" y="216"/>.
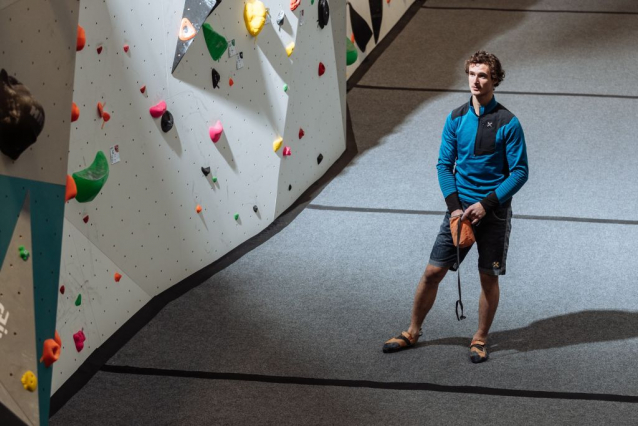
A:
<point x="280" y="18"/>
<point x="324" y="13"/>
<point x="79" y="339"/>
<point x="216" y="43"/>
<point x="290" y="48"/>
<point x="322" y="69"/>
<point x="289" y="187"/>
<point x="285" y="87"/>
<point x="186" y="30"/>
<point x="106" y="116"/>
<point x="361" y="31"/>
<point x="216" y="78"/>
<point x="294" y="4"/>
<point x="86" y="219"/>
<point x="287" y="151"/>
<point x="71" y="189"/>
<point x="78" y="301"/>
<point x="319" y="159"/>
<point x="75" y="112"/>
<point x="236" y="216"/>
<point x="29" y="381"/>
<point x="62" y="290"/>
<point x="167" y="121"/>
<point x="352" y="38"/>
<point x="100" y="109"/>
<point x="24" y="253"/>
<point x="51" y="350"/>
<point x="198" y="209"/>
<point x="277" y="144"/>
<point x="255" y="209"/>
<point x="215" y="131"/>
<point x="143" y="89"/>
<point x="351" y="51"/>
<point x="214" y="178"/>
<point x="206" y="171"/>
<point x="21" y="117"/>
<point x="158" y="109"/>
<point x="126" y="47"/>
<point x="117" y="276"/>
<point x="254" y="16"/>
<point x="301" y="133"/>
<point x="91" y="180"/>
<point x="99" y="50"/>
<point x="81" y="39"/>
<point x="376" y="15"/>
<point x="230" y="82"/>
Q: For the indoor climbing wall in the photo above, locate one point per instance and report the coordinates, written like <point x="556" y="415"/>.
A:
<point x="368" y="22"/>
<point x="197" y="123"/>
<point x="37" y="60"/>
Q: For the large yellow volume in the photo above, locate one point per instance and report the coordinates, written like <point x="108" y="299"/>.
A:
<point x="254" y="16"/>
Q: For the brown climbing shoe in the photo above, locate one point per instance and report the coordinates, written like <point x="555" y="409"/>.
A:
<point x="478" y="351"/>
<point x="402" y="341"/>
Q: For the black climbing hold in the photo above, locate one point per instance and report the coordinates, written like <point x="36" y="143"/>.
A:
<point x="324" y="13"/>
<point x="167" y="121"/>
<point x="255" y="209"/>
<point x="216" y="78"/>
<point x="21" y="117"/>
<point x="360" y="28"/>
<point x="319" y="159"/>
<point x="206" y="171"/>
<point x="376" y="14"/>
<point x="289" y="187"/>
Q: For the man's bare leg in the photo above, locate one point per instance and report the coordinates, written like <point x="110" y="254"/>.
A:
<point x="488" y="303"/>
<point x="425" y="296"/>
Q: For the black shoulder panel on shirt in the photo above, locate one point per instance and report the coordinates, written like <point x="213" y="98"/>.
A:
<point x="460" y="111"/>
<point x="503" y="115"/>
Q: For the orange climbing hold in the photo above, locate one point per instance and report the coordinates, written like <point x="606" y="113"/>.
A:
<point x="100" y="109"/>
<point x="81" y="41"/>
<point x="71" y="188"/>
<point x="186" y="30"/>
<point x="294" y="4"/>
<point x="198" y="209"/>
<point x="143" y="89"/>
<point x="51" y="350"/>
<point x="117" y="277"/>
<point x="75" y="112"/>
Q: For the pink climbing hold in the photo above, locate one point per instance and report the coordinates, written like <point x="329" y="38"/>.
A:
<point x="215" y="131"/>
<point x="79" y="339"/>
<point x="287" y="151"/>
<point x="158" y="110"/>
<point x="126" y="48"/>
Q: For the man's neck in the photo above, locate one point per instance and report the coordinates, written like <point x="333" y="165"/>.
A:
<point x="477" y="102"/>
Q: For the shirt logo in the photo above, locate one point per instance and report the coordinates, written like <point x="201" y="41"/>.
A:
<point x="489" y="124"/>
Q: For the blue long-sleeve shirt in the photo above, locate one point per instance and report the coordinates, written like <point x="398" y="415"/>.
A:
<point x="489" y="153"/>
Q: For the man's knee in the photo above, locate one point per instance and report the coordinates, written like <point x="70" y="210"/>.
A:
<point x="488" y="280"/>
<point x="434" y="274"/>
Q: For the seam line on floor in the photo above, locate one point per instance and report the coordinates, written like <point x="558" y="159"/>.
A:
<point x="413" y="386"/>
<point x="495" y="9"/>
<point x="439" y="213"/>
<point x="420" y="89"/>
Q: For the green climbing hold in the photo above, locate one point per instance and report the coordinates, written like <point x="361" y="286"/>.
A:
<point x="216" y="43"/>
<point x="312" y="1"/>
<point x="351" y="52"/>
<point x="214" y="178"/>
<point x="78" y="301"/>
<point x="285" y="87"/>
<point x="91" y="180"/>
<point x="24" y="253"/>
<point x="236" y="216"/>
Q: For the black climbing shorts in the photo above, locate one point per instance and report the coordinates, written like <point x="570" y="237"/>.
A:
<point x="492" y="235"/>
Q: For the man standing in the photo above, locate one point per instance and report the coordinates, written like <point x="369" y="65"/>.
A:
<point x="482" y="164"/>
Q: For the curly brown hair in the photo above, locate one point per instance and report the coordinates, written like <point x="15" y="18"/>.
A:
<point x="482" y="57"/>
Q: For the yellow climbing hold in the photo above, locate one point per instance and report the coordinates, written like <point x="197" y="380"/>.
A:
<point x="29" y="381"/>
<point x="277" y="144"/>
<point x="254" y="16"/>
<point x="290" y="48"/>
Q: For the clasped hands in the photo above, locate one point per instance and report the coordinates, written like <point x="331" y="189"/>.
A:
<point x="475" y="213"/>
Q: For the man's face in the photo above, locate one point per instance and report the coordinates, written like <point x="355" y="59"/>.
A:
<point x="480" y="80"/>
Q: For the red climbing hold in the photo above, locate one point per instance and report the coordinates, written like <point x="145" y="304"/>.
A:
<point x="75" y="112"/>
<point x="294" y="4"/>
<point x="230" y="82"/>
<point x="62" y="289"/>
<point x="71" y="189"/>
<point x="99" y="50"/>
<point x="106" y="116"/>
<point x="81" y="40"/>
<point x="126" y="48"/>
<point x="158" y="110"/>
<point x="287" y="151"/>
<point x="100" y="109"/>
<point x="86" y="219"/>
<point x="143" y="89"/>
<point x="117" y="277"/>
<point x="301" y="133"/>
<point x="322" y="69"/>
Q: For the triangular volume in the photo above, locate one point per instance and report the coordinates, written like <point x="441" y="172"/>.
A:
<point x="376" y="13"/>
<point x="360" y="28"/>
<point x="195" y="14"/>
